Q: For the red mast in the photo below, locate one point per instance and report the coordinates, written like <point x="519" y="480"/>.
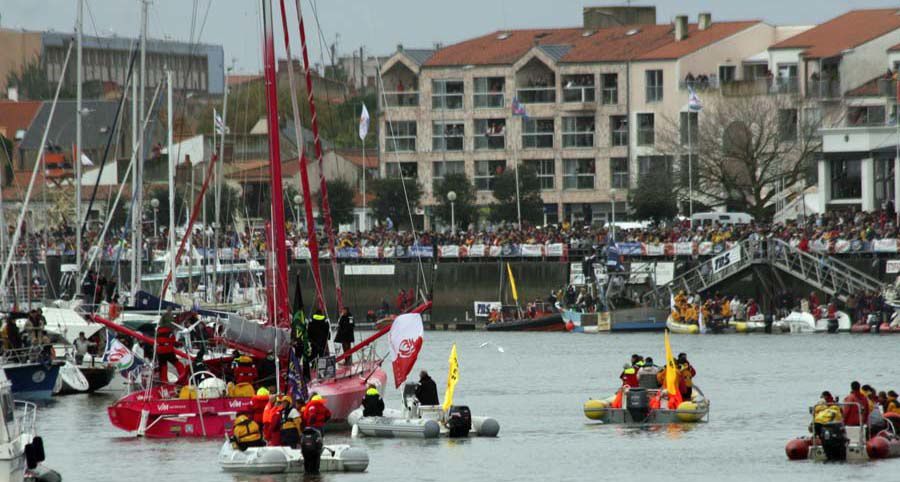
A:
<point x="323" y="189"/>
<point x="281" y="316"/>
<point x="304" y="176"/>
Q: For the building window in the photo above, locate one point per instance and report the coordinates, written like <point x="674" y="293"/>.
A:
<point x="648" y="164"/>
<point x="485" y="172"/>
<point x="727" y="74"/>
<point x="871" y="115"/>
<point x="400" y="136"/>
<point x="646" y="136"/>
<point x="578" y="88"/>
<point x="446" y="94"/>
<point x="846" y="179"/>
<point x="610" y="85"/>
<point x="490" y="134"/>
<point x="787" y="124"/>
<point x="539" y="88"/>
<point x="618" y="128"/>
<point x="410" y="170"/>
<point x="489" y="92"/>
<point x="440" y="169"/>
<point x="578" y="173"/>
<point x="689" y="134"/>
<point x="654" y="79"/>
<point x="618" y="172"/>
<point x="546" y="172"/>
<point x="578" y="131"/>
<point x="447" y="136"/>
<point x="537" y="133"/>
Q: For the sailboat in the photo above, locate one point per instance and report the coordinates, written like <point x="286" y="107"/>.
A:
<point x="543" y="317"/>
<point x="204" y="407"/>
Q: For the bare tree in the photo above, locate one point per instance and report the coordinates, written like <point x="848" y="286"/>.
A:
<point x="746" y="150"/>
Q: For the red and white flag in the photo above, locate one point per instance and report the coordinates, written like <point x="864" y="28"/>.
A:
<point x="406" y="342"/>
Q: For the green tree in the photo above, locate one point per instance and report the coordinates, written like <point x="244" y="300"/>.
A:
<point x="340" y="200"/>
<point x="32" y="82"/>
<point x="390" y="201"/>
<point x="655" y="197"/>
<point x="506" y="209"/>
<point x="464" y="207"/>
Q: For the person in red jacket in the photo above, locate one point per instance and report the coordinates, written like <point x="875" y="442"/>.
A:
<point x="244" y="370"/>
<point x="315" y="414"/>
<point x="165" y="352"/>
<point x="857" y="412"/>
<point x="629" y="376"/>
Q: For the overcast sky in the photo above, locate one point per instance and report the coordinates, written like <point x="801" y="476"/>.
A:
<point x="378" y="25"/>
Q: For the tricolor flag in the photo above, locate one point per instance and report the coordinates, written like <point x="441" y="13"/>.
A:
<point x="518" y="109"/>
<point x="363" y="123"/>
<point x="220" y="123"/>
<point x="694" y="104"/>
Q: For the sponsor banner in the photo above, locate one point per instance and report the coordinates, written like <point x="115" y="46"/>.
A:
<point x="510" y="250"/>
<point x="476" y="251"/>
<point x="892" y="266"/>
<point x="532" y="250"/>
<point x="842" y="246"/>
<point x="726" y="259"/>
<point x="857" y="245"/>
<point x="389" y="252"/>
<point x="684" y="249"/>
<point x="705" y="248"/>
<point x="655" y="249"/>
<point x="370" y="252"/>
<point x="630" y="249"/>
<point x="369" y="270"/>
<point x="348" y="253"/>
<point x="483" y="308"/>
<point x="420" y="251"/>
<point x="665" y="273"/>
<point x="495" y="251"/>
<point x="448" y="251"/>
<point x="555" y="249"/>
<point x="884" y="245"/>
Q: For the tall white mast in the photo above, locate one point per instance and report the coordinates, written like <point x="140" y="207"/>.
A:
<point x="218" y="195"/>
<point x="137" y="202"/>
<point x="78" y="149"/>
<point x="170" y="143"/>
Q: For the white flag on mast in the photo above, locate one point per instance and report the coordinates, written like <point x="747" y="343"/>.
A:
<point x="364" y="123"/>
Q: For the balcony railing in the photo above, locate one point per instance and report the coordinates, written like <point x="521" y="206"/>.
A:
<point x="582" y="139"/>
<point x="579" y="94"/>
<point x="698" y="85"/>
<point x="824" y="89"/>
<point x="537" y="95"/>
<point x="887" y="87"/>
<point x="488" y="100"/>
<point x="740" y="88"/>
<point x="401" y="99"/>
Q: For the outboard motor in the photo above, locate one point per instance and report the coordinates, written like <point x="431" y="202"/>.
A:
<point x="768" y="323"/>
<point x="834" y="441"/>
<point x="459" y="421"/>
<point x="311" y="446"/>
<point x="637" y="402"/>
<point x="832" y="325"/>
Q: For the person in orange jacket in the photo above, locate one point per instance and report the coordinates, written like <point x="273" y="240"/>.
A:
<point x="271" y="416"/>
<point x="315" y="414"/>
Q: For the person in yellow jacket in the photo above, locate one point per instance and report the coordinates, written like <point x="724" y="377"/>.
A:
<point x="726" y="309"/>
<point x="893" y="406"/>
<point x="680" y="299"/>
<point x="246" y="432"/>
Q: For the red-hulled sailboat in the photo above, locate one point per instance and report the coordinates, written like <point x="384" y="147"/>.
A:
<point x="206" y="410"/>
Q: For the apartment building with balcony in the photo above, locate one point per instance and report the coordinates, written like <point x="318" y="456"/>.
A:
<point x="595" y="98"/>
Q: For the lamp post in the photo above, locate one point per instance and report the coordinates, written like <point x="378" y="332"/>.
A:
<point x="451" y="196"/>
<point x="298" y="200"/>
<point x="154" y="203"/>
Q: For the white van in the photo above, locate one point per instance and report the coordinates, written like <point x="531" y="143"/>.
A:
<point x="706" y="219"/>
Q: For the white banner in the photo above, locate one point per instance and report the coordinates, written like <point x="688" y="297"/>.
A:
<point x="302" y="253"/>
<point x="495" y="251"/>
<point x="655" y="249"/>
<point x="884" y="245"/>
<point x="388" y="252"/>
<point x="684" y="249"/>
<point x="448" y="251"/>
<point x="726" y="259"/>
<point x="532" y="250"/>
<point x="369" y="270"/>
<point x="483" y="308"/>
<point x="476" y="251"/>
<point x="370" y="252"/>
<point x="705" y="248"/>
<point x="555" y="249"/>
<point x="893" y="266"/>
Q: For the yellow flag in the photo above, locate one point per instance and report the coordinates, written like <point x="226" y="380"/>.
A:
<point x="671" y="375"/>
<point x="512" y="282"/>
<point x="452" y="378"/>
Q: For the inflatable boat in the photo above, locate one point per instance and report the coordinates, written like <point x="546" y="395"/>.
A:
<point x="682" y="328"/>
<point x="800" y="322"/>
<point x="636" y="409"/>
<point x="418" y="421"/>
<point x="279" y="460"/>
<point x="836" y="442"/>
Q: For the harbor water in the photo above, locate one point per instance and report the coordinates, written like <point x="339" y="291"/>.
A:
<point x="760" y="387"/>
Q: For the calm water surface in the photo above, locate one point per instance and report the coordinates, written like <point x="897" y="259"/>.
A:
<point x="759" y="385"/>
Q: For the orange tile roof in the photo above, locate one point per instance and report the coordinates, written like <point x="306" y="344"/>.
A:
<point x="17" y="115"/>
<point x="650" y="42"/>
<point x="847" y="31"/>
<point x="871" y="88"/>
<point x="894" y="48"/>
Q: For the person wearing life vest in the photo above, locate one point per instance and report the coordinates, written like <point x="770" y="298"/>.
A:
<point x="856" y="410"/>
<point x="318" y="333"/>
<point x="244" y="370"/>
<point x="315" y="414"/>
<point x="373" y="405"/>
<point x="686" y="376"/>
<point x="271" y="416"/>
<point x="165" y="351"/>
<point x="291" y="423"/>
<point x="893" y="406"/>
<point x="629" y="376"/>
<point x="246" y="432"/>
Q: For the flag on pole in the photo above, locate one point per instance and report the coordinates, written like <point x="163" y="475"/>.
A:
<point x="671" y="376"/>
<point x="512" y="283"/>
<point x="452" y="378"/>
<point x="85" y="160"/>
<point x="694" y="104"/>
<point x="518" y="109"/>
<point x="220" y="123"/>
<point x="363" y="123"/>
<point x="406" y="337"/>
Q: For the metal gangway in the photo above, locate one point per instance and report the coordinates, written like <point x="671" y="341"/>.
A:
<point x="822" y="271"/>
